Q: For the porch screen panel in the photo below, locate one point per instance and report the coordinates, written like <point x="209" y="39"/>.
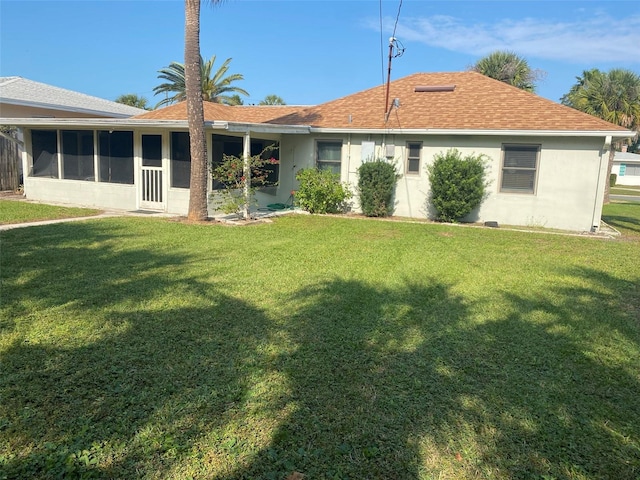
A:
<point x="77" y="155"/>
<point x="180" y="160"/>
<point x="44" y="149"/>
<point x="115" y="151"/>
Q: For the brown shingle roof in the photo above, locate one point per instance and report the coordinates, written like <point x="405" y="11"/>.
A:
<point x="477" y="103"/>
<point x="225" y="113"/>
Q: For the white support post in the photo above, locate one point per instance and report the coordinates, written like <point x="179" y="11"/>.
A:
<point x="246" y="154"/>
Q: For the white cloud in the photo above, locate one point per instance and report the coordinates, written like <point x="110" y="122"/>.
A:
<point x="598" y="39"/>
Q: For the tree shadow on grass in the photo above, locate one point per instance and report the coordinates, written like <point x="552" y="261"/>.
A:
<point x="356" y="381"/>
<point x="403" y="383"/>
<point x="130" y="392"/>
<point x="625" y="222"/>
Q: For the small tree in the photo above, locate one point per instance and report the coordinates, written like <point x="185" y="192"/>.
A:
<point x="133" y="100"/>
<point x="320" y="191"/>
<point x="376" y="186"/>
<point x="238" y="193"/>
<point x="457" y="184"/>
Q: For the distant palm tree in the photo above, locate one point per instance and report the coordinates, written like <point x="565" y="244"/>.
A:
<point x="272" y="100"/>
<point x="235" y="100"/>
<point x="133" y="100"/>
<point x="508" y="68"/>
<point x="612" y="96"/>
<point x="215" y="86"/>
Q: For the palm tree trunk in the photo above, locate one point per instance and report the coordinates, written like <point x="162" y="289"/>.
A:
<point x="195" y="112"/>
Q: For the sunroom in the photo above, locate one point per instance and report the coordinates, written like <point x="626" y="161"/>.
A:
<point x="135" y="164"/>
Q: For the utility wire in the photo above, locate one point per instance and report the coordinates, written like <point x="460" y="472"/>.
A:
<point x="397" y="17"/>
<point x="381" y="45"/>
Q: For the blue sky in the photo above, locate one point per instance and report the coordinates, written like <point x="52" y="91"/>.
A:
<point x="309" y="52"/>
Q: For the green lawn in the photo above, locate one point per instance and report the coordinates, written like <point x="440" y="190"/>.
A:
<point x="12" y="211"/>
<point x="625" y="217"/>
<point x="625" y="190"/>
<point x="146" y="348"/>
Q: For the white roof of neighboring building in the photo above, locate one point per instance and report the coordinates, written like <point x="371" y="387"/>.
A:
<point x="24" y="92"/>
<point x="627" y="157"/>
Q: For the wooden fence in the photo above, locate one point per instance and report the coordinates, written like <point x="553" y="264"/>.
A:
<point x="9" y="164"/>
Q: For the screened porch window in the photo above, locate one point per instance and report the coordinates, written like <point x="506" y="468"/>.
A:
<point x="77" y="155"/>
<point x="329" y="156"/>
<point x="519" y="168"/>
<point x="180" y="160"/>
<point x="115" y="157"/>
<point x="44" y="149"/>
<point x="233" y="146"/>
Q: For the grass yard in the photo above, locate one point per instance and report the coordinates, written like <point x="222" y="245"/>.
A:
<point x="145" y="348"/>
<point x="12" y="211"/>
<point x="625" y="217"/>
<point x="625" y="190"/>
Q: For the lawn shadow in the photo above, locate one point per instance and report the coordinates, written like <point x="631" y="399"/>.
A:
<point x="402" y="383"/>
<point x="136" y="386"/>
<point x="625" y="222"/>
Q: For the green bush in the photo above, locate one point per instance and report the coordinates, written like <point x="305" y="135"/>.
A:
<point x="457" y="184"/>
<point x="320" y="191"/>
<point x="613" y="178"/>
<point x="376" y="185"/>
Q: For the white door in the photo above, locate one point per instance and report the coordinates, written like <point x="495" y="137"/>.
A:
<point x="152" y="177"/>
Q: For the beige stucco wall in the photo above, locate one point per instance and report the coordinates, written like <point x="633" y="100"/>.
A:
<point x="81" y="193"/>
<point x="569" y="180"/>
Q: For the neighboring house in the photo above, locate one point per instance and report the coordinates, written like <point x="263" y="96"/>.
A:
<point x="23" y="98"/>
<point x="627" y="168"/>
<point x="547" y="162"/>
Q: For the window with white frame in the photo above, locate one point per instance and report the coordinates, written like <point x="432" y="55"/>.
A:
<point x="77" y="155"/>
<point x="413" y="157"/>
<point x="329" y="155"/>
<point x="519" y="168"/>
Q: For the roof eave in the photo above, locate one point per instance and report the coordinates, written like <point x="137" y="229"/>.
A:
<point x="619" y="134"/>
<point x="116" y="123"/>
<point x="65" y="108"/>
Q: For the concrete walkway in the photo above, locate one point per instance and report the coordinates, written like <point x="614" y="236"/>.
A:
<point x="104" y="214"/>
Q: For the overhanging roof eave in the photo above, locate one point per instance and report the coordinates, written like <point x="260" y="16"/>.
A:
<point x="69" y="108"/>
<point x="136" y="123"/>
<point x="478" y="132"/>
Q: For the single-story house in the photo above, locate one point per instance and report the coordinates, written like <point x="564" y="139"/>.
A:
<point x="626" y="166"/>
<point x="24" y="98"/>
<point x="547" y="162"/>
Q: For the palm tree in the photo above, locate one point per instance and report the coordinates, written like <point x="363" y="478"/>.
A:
<point x="272" y="100"/>
<point x="215" y="87"/>
<point x="235" y="100"/>
<point x="192" y="69"/>
<point x="508" y="68"/>
<point x="612" y="96"/>
<point x="133" y="100"/>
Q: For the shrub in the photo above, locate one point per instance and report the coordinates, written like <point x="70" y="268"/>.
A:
<point x="613" y="178"/>
<point x="320" y="191"/>
<point x="232" y="172"/>
<point x="457" y="184"/>
<point x="376" y="185"/>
